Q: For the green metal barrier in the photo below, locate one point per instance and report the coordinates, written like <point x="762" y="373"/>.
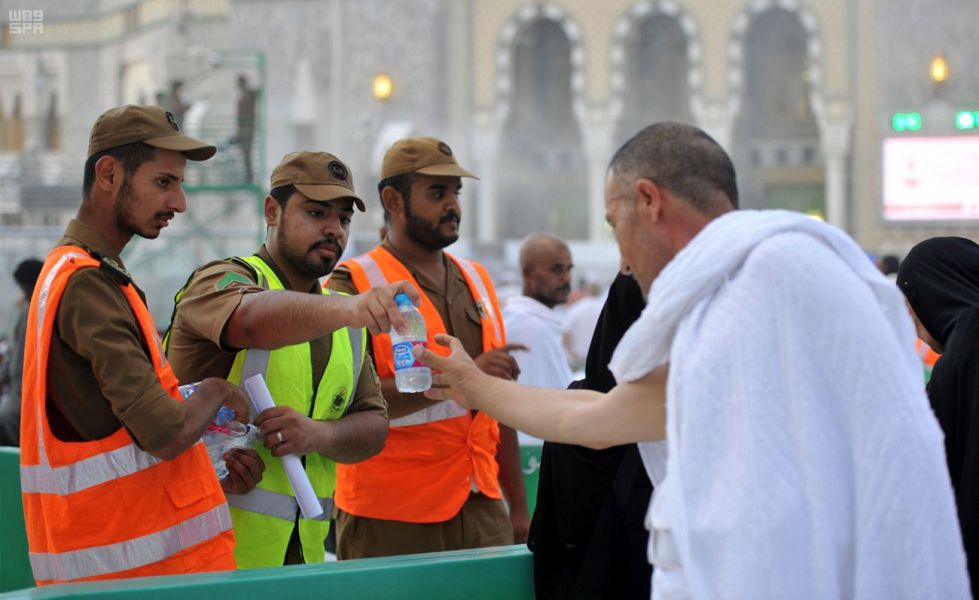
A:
<point x="15" y="569"/>
<point x="530" y="465"/>
<point x="504" y="573"/>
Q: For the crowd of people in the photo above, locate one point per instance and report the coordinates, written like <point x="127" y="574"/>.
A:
<point x="753" y="414"/>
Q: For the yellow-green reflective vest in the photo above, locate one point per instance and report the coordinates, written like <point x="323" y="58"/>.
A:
<point x="265" y="517"/>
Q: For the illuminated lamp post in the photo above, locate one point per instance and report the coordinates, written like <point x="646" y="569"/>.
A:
<point x="383" y="86"/>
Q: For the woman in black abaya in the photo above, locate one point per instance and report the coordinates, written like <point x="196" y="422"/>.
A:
<point x="587" y="536"/>
<point x="940" y="279"/>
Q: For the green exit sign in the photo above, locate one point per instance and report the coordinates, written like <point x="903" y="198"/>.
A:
<point x="910" y="121"/>
<point x="967" y="119"/>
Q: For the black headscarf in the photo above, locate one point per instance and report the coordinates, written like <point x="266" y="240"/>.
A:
<point x="622" y="307"/>
<point x="940" y="279"/>
<point x="587" y="535"/>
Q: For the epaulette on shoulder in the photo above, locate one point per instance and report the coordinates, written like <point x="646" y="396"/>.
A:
<point x="239" y="261"/>
<point x="113" y="268"/>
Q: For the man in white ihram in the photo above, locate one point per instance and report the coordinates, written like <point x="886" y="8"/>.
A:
<point x="545" y="266"/>
<point x="530" y="318"/>
<point x="803" y="459"/>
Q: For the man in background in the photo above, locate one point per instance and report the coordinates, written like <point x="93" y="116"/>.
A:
<point x="545" y="266"/>
<point x="12" y="369"/>
<point x="245" y="115"/>
<point x="580" y="319"/>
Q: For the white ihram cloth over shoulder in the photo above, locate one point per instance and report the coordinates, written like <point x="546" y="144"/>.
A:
<point x="803" y="458"/>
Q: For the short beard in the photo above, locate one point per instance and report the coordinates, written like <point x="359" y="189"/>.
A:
<point x="558" y="296"/>
<point x="301" y="263"/>
<point x="124" y="209"/>
<point x="421" y="232"/>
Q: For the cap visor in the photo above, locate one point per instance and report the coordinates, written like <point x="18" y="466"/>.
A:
<point x="325" y="192"/>
<point x="446" y="170"/>
<point x="188" y="146"/>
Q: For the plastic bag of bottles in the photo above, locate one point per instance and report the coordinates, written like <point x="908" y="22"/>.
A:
<point x="226" y="434"/>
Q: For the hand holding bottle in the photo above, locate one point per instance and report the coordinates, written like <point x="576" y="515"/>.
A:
<point x="410" y="375"/>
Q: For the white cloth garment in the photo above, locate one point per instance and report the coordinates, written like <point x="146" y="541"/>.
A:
<point x="538" y="327"/>
<point x="804" y="460"/>
<point x="580" y="320"/>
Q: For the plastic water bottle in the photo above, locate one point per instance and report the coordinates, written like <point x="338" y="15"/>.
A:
<point x="224" y="416"/>
<point x="188" y="388"/>
<point x="409" y="374"/>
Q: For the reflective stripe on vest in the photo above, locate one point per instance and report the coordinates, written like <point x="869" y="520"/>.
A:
<point x="274" y="504"/>
<point x="95" y="470"/>
<point x="446" y="409"/>
<point x="483" y="294"/>
<point x="42" y="303"/>
<point x="133" y="553"/>
<point x="373" y="270"/>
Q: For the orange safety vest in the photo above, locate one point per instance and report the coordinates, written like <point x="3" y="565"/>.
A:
<point x="928" y="356"/>
<point x="106" y="509"/>
<point x="432" y="457"/>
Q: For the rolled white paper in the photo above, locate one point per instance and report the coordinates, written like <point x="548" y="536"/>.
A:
<point x="309" y="504"/>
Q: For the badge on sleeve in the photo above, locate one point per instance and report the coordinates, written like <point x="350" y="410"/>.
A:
<point x="231" y="277"/>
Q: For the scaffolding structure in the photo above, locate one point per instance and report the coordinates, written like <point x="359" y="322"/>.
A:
<point x="224" y="214"/>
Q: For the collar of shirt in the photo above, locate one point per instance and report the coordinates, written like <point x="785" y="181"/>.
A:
<point x="451" y="270"/>
<point x="82" y="234"/>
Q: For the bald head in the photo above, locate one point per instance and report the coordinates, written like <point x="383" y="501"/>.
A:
<point x="545" y="263"/>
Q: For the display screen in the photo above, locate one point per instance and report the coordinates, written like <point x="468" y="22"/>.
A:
<point x="931" y="178"/>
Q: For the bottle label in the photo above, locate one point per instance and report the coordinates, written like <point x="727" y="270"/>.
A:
<point x="403" y="358"/>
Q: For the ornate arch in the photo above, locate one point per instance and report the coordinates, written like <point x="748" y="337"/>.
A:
<point x="620" y="34"/>
<point x="736" y="45"/>
<point x="504" y="56"/>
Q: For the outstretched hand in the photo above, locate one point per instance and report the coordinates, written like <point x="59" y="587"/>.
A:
<point x="452" y="375"/>
<point x="376" y="309"/>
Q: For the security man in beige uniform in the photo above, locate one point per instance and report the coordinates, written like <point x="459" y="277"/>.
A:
<point x="268" y="314"/>
<point x="439" y="482"/>
<point x="97" y="391"/>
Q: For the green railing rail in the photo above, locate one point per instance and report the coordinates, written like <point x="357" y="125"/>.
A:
<point x="15" y="569"/>
<point x="504" y="573"/>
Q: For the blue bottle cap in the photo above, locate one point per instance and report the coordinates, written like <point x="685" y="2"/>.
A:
<point x="402" y="299"/>
<point x="224" y="415"/>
